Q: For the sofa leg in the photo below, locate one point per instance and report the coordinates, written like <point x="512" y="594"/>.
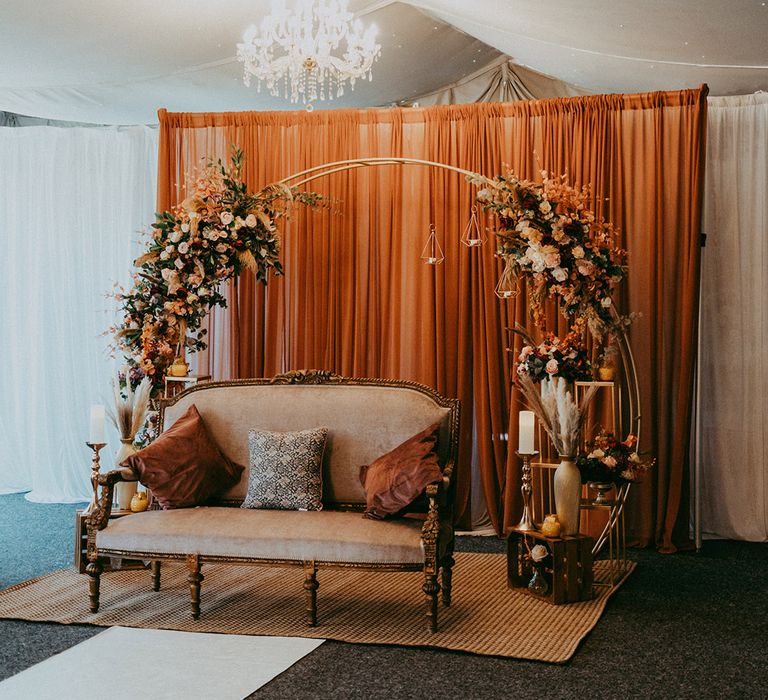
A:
<point x="156" y="575"/>
<point x="447" y="567"/>
<point x="310" y="586"/>
<point x="94" y="570"/>
<point x="431" y="589"/>
<point x="194" y="577"/>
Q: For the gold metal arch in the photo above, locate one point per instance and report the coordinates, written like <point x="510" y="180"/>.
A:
<point x="625" y="350"/>
<point x="342" y="165"/>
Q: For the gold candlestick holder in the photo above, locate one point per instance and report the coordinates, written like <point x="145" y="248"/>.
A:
<point x="95" y="469"/>
<point x="526" y="523"/>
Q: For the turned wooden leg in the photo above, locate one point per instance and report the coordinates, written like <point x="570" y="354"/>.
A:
<point x="94" y="570"/>
<point x="431" y="589"/>
<point x="447" y="566"/>
<point x="195" y="578"/>
<point x="310" y="586"/>
<point x="156" y="575"/>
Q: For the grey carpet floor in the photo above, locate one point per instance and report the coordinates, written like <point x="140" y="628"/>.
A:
<point x="691" y="625"/>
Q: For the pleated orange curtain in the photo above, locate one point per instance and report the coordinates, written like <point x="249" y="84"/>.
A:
<point x="357" y="299"/>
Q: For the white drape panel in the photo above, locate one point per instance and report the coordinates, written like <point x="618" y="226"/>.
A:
<point x="73" y="203"/>
<point x="734" y="330"/>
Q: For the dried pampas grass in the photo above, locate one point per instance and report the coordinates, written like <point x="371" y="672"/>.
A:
<point x="130" y="412"/>
<point x="557" y="410"/>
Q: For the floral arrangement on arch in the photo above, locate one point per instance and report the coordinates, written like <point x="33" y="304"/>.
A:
<point x="612" y="461"/>
<point x="553" y="357"/>
<point x="548" y="234"/>
<point x="218" y="231"/>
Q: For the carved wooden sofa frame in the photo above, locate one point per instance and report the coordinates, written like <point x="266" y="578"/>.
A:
<point x="436" y="533"/>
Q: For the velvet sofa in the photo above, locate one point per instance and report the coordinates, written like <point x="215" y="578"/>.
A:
<point x="365" y="418"/>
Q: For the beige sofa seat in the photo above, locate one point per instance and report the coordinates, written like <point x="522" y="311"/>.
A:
<point x="322" y="536"/>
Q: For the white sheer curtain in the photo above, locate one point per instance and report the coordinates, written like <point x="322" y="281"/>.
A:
<point x="73" y="203"/>
<point x="734" y="330"/>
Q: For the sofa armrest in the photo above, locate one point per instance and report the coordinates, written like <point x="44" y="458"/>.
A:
<point x="103" y="488"/>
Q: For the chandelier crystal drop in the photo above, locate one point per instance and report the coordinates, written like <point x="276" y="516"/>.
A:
<point x="310" y="52"/>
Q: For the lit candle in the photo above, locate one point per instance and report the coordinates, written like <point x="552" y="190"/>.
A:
<point x="526" y="431"/>
<point x="96" y="434"/>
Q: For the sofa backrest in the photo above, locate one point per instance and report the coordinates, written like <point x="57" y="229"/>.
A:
<point x="366" y="418"/>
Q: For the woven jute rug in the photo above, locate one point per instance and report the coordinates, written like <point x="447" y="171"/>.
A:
<point x="486" y="617"/>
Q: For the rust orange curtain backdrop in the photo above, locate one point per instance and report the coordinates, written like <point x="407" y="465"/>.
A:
<point x="356" y="298"/>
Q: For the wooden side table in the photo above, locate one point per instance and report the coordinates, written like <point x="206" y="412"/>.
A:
<point x="81" y="544"/>
<point x="567" y="570"/>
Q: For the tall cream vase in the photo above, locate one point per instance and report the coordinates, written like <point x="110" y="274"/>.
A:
<point x="567" y="487"/>
<point x="125" y="490"/>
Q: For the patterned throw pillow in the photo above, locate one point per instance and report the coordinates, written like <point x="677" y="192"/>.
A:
<point x="286" y="470"/>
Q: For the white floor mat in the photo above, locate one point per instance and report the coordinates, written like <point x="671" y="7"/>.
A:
<point x="123" y="663"/>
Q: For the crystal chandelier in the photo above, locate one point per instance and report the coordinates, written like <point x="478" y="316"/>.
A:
<point x="313" y="50"/>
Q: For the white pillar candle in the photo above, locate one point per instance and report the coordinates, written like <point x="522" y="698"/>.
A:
<point x="96" y="434"/>
<point x="526" y="433"/>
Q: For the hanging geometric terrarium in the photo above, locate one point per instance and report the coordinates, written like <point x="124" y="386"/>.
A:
<point x="507" y="287"/>
<point x="472" y="236"/>
<point x="432" y="253"/>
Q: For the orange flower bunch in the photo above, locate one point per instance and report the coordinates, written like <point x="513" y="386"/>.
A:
<point x="548" y="235"/>
<point x="218" y="231"/>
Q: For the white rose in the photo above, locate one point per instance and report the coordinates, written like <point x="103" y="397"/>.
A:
<point x="221" y="248"/>
<point x="165" y="255"/>
<point x="239" y="223"/>
<point x="175" y="236"/>
<point x="250" y="220"/>
<point x="539" y="553"/>
<point x="183" y="247"/>
<point x="179" y="263"/>
<point x="559" y="274"/>
<point x="170" y="248"/>
<point x="185" y="227"/>
<point x="226" y="217"/>
<point x="598" y="454"/>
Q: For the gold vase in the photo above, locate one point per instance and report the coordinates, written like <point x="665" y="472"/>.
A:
<point x="606" y="373"/>
<point x="179" y="368"/>
<point x="139" y="502"/>
<point x="551" y="526"/>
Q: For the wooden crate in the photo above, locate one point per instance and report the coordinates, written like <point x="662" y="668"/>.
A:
<point x="567" y="569"/>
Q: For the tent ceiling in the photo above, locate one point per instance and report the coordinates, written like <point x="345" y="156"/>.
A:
<point x="114" y="62"/>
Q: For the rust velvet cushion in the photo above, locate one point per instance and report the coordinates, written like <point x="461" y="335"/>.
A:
<point x="396" y="479"/>
<point x="184" y="467"/>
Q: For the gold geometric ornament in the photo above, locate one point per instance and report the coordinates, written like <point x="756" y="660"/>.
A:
<point x="472" y="236"/>
<point x="432" y="253"/>
<point x="507" y="287"/>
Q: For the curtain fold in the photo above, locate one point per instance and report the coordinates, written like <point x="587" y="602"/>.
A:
<point x="499" y="81"/>
<point x="73" y="203"/>
<point x="734" y="322"/>
<point x="357" y="299"/>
